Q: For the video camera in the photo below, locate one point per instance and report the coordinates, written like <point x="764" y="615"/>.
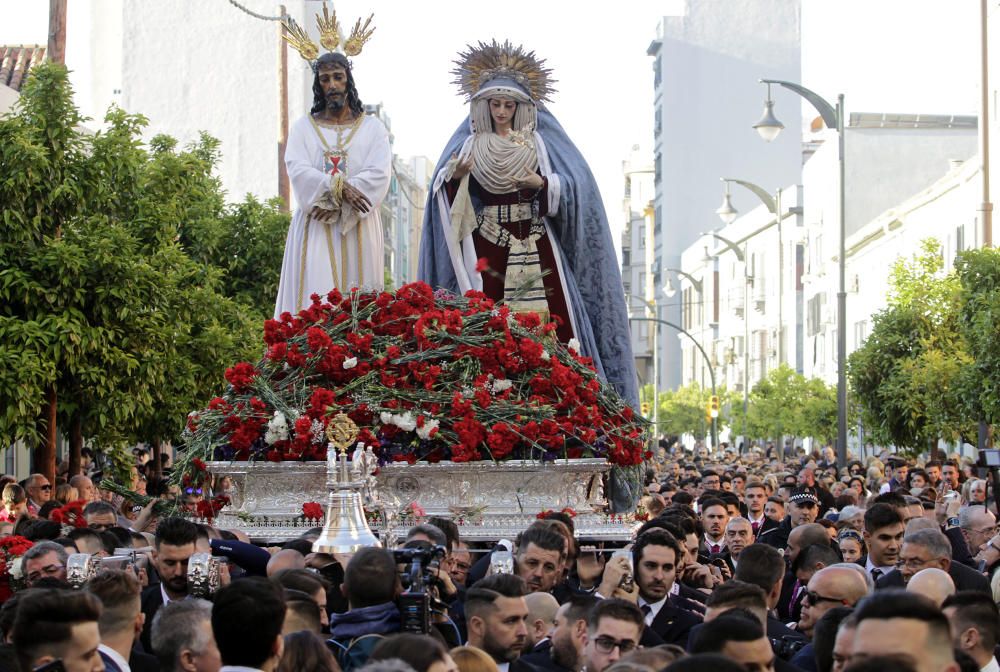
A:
<point x="418" y="577"/>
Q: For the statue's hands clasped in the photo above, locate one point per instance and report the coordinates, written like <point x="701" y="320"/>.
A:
<point x="530" y="181"/>
<point x="357" y="200"/>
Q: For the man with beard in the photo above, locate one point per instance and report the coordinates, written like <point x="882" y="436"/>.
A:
<point x="568" y="638"/>
<point x="496" y="617"/>
<point x="339" y="163"/>
<point x="655" y="555"/>
<point x="173" y="547"/>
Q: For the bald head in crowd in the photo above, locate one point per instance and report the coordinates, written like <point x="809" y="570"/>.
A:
<point x="285" y="559"/>
<point x="933" y="583"/>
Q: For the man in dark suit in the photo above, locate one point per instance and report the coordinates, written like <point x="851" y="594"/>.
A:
<point x="496" y="619"/>
<point x="755" y="498"/>
<point x="568" y="639"/>
<point x="120" y="622"/>
<point x="174" y="546"/>
<point x="654" y="557"/>
<point x="923" y="549"/>
<point x="763" y="566"/>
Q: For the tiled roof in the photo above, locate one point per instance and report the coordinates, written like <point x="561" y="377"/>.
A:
<point x="16" y="61"/>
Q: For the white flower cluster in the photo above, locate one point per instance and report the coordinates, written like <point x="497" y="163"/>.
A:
<point x="16" y="569"/>
<point x="350" y="363"/>
<point x="429" y="426"/>
<point x="316" y="430"/>
<point x="408" y="423"/>
<point x="498" y="385"/>
<point x="277" y="429"/>
<point x="574" y="345"/>
<point x="405" y="422"/>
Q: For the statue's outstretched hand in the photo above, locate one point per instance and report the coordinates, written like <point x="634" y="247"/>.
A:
<point x="462" y="167"/>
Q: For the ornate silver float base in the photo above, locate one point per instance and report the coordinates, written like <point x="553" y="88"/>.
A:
<point x="488" y="500"/>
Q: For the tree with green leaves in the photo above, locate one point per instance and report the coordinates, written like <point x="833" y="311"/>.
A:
<point x="908" y="375"/>
<point x="126" y="285"/>
<point x="979" y="325"/>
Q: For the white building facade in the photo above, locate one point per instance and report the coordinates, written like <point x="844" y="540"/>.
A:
<point x="706" y="67"/>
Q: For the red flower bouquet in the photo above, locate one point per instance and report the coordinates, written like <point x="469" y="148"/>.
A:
<point x="12" y="578"/>
<point x="425" y="376"/>
<point x="70" y="514"/>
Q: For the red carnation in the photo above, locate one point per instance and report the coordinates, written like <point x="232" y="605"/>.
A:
<point x="312" y="511"/>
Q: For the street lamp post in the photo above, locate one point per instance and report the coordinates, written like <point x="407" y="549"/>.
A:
<point x="748" y="283"/>
<point x="769" y="128"/>
<point x="773" y="205"/>
<point x="708" y="363"/>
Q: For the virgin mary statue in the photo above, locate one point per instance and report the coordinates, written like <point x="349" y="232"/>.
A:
<point x="515" y="212"/>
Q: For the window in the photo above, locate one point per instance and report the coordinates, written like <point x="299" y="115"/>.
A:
<point x="814" y="314"/>
<point x="860" y="333"/>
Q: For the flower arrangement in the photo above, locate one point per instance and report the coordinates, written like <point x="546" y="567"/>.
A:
<point x="12" y="550"/>
<point x="425" y="376"/>
<point x="70" y="514"/>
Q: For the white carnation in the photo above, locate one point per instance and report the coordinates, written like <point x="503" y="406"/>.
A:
<point x="501" y="385"/>
<point x="405" y="422"/>
<point x="16" y="569"/>
<point x="574" y="345"/>
<point x="546" y="356"/>
<point x="350" y="362"/>
<point x="277" y="429"/>
<point x="385" y="417"/>
<point x="429" y="426"/>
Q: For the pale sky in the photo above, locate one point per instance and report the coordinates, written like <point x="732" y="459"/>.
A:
<point x="885" y="55"/>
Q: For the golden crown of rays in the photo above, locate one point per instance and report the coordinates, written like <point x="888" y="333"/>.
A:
<point x="483" y="62"/>
<point x="329" y="35"/>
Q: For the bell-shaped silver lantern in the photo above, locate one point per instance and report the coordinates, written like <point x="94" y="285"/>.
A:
<point x="346" y="529"/>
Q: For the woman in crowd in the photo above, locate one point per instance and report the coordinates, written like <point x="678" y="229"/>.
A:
<point x="15" y="502"/>
<point x="851" y="544"/>
<point x="305" y="652"/>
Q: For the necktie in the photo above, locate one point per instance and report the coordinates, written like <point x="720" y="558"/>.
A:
<point x="795" y="594"/>
<point x="646" y="609"/>
<point x="755" y="526"/>
<point x="876" y="573"/>
<point x="715" y="548"/>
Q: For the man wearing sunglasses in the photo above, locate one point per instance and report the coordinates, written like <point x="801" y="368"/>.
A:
<point x="39" y="491"/>
<point x="614" y="628"/>
<point x="828" y="588"/>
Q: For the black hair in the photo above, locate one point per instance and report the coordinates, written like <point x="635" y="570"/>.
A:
<point x="319" y="100"/>
<point x="656" y="538"/>
<point x="892" y="498"/>
<point x="481" y="597"/>
<point x="825" y="635"/>
<point x="898" y="603"/>
<point x="45" y="620"/>
<point x="761" y="565"/>
<point x="620" y="610"/>
<point x="247" y="617"/>
<point x="704" y="661"/>
<point x="682" y="497"/>
<point x="544" y="538"/>
<point x="304" y="606"/>
<point x="738" y="594"/>
<point x="176" y="531"/>
<point x="303" y="546"/>
<point x="579" y="606"/>
<point x="370" y="578"/>
<point x="710" y="502"/>
<point x="417" y="651"/>
<point x="976" y="609"/>
<point x="813" y="554"/>
<point x="713" y="636"/>
<point x="878" y="516"/>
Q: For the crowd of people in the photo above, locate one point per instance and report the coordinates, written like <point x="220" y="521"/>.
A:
<point x="743" y="563"/>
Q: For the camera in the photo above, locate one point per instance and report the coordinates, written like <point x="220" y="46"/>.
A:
<point x="419" y="564"/>
<point x="787" y="646"/>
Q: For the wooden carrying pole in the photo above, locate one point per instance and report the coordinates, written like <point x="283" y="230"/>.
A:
<point x="57" y="31"/>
